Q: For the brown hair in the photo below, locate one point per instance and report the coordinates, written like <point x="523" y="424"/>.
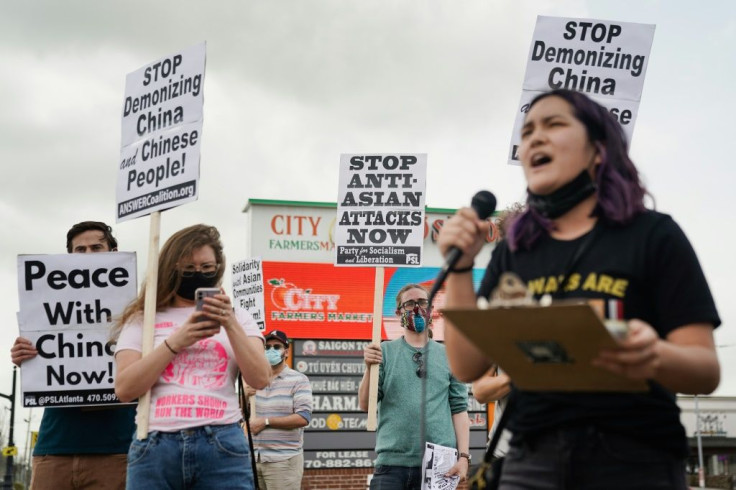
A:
<point x="179" y="246"/>
<point x="80" y="228"/>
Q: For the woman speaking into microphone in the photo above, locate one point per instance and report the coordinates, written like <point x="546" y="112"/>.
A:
<point x="585" y="212"/>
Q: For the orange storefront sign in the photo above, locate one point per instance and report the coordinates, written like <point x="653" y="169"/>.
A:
<point x="310" y="300"/>
<point x="318" y="300"/>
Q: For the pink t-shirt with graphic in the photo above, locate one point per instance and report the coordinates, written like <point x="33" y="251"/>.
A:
<point x="198" y="386"/>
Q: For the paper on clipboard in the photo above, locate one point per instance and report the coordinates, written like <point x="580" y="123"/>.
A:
<point x="545" y="348"/>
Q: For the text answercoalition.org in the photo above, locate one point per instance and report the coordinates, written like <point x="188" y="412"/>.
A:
<point x="161" y="196"/>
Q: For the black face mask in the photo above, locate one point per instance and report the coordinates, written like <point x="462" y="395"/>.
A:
<point x="190" y="284"/>
<point x="563" y="199"/>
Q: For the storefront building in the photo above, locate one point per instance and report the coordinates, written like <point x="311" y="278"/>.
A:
<point x="328" y="311"/>
<point x="714" y="418"/>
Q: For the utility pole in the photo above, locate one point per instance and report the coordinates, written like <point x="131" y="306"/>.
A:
<point x="11" y="449"/>
<point x="701" y="470"/>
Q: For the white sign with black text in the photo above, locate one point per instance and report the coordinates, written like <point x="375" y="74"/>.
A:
<point x="67" y="305"/>
<point x="380" y="210"/>
<point x="606" y="60"/>
<point x="161" y="134"/>
<point x="248" y="289"/>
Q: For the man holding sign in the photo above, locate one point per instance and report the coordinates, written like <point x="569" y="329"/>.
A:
<point x="404" y="365"/>
<point x="80" y="447"/>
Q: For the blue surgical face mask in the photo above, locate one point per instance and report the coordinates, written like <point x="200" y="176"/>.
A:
<point x="273" y="356"/>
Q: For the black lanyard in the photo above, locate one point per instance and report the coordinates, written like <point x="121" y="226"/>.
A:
<point x="583" y="247"/>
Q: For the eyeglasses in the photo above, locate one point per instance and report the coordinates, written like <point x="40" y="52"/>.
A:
<point x="275" y="347"/>
<point x="410" y="304"/>
<point x="207" y="270"/>
<point x="417" y="357"/>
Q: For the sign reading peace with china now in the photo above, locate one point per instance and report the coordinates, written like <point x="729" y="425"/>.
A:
<point x="67" y="305"/>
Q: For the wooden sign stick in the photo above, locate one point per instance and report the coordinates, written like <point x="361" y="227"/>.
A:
<point x="372" y="421"/>
<point x="149" y="316"/>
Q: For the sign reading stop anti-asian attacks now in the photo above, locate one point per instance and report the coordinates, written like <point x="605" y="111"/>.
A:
<point x="380" y="210"/>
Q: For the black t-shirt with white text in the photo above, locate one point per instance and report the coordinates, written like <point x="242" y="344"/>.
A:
<point x="650" y="271"/>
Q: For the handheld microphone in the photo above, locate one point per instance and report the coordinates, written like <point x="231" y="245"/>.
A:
<point x="484" y="204"/>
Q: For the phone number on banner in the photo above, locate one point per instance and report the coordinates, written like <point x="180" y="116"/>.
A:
<point x="70" y="398"/>
<point x="338" y="459"/>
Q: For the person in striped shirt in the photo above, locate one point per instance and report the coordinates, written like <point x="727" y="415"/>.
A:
<point x="282" y="410"/>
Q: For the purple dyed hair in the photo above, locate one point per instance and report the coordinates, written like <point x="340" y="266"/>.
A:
<point x="620" y="192"/>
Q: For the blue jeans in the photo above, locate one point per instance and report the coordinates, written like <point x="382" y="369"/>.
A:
<point x="212" y="456"/>
<point x="584" y="458"/>
<point x="396" y="478"/>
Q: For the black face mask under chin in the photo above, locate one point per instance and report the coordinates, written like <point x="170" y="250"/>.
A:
<point x="563" y="199"/>
<point x="189" y="285"/>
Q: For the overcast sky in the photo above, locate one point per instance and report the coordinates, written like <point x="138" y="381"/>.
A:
<point x="292" y="84"/>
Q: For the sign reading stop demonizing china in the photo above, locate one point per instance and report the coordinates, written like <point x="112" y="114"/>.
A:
<point x="161" y="134"/>
<point x="606" y="60"/>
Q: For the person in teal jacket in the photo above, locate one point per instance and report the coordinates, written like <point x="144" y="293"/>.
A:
<point x="402" y="367"/>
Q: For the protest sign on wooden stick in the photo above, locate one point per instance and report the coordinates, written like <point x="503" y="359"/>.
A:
<point x="372" y="422"/>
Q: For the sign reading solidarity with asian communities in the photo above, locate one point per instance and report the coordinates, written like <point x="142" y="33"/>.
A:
<point x="248" y="289"/>
<point x="161" y="134"/>
<point x="380" y="210"/>
<point x="67" y="305"/>
<point x="605" y="60"/>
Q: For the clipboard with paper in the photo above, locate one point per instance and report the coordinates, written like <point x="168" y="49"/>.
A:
<point x="545" y="348"/>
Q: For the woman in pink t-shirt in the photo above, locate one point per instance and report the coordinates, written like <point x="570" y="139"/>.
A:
<point x="194" y="438"/>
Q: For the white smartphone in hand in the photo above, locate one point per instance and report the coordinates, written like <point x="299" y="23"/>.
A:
<point x="201" y="293"/>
